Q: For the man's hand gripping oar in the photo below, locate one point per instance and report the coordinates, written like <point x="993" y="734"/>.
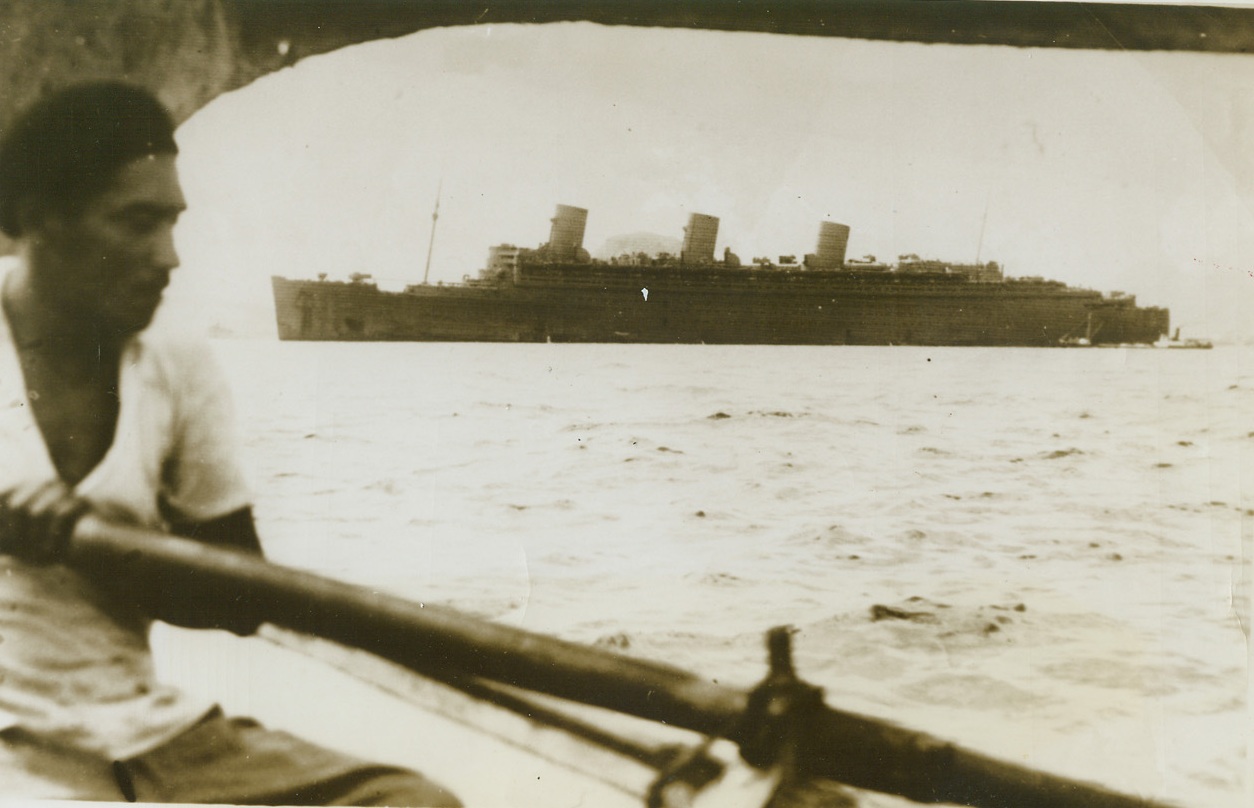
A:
<point x="37" y="520"/>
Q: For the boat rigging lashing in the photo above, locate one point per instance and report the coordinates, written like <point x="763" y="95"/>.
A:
<point x="776" y="722"/>
<point x="691" y="770"/>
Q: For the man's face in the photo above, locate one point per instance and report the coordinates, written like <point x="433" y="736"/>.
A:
<point x="113" y="258"/>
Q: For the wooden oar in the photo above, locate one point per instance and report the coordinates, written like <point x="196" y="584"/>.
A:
<point x="782" y="719"/>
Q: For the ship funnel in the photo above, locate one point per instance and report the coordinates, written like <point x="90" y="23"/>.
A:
<point x="566" y="235"/>
<point x="833" y="241"/>
<point x="699" y="238"/>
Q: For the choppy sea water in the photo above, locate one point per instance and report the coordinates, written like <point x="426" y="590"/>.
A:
<point x="1036" y="553"/>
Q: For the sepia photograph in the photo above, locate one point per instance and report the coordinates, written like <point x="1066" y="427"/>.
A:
<point x="652" y="403"/>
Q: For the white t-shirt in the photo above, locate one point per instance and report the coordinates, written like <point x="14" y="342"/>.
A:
<point x="75" y="667"/>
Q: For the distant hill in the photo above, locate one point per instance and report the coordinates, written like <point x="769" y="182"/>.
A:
<point x="650" y="243"/>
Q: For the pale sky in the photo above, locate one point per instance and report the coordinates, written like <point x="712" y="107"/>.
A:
<point x="1111" y="170"/>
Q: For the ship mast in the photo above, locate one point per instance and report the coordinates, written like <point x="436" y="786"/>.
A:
<point x="979" y="245"/>
<point x="435" y="215"/>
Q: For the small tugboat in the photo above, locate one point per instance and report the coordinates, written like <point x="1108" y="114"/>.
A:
<point x="1191" y="343"/>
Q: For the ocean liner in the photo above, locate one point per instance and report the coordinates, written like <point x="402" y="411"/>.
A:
<point x="557" y="293"/>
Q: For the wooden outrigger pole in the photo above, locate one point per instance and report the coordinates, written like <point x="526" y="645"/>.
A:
<point x="783" y="721"/>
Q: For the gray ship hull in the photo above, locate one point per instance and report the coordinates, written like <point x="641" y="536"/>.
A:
<point x="569" y="303"/>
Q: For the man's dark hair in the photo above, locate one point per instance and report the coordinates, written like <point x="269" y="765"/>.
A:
<point x="67" y="147"/>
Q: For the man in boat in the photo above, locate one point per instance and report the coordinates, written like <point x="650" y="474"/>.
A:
<point x="100" y="413"/>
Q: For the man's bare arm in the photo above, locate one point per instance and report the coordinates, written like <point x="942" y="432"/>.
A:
<point x="236" y="530"/>
<point x="36" y="522"/>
